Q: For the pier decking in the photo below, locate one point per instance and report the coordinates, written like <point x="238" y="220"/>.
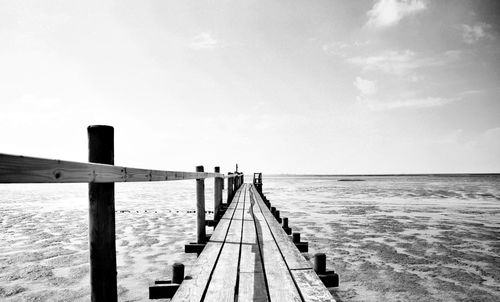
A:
<point x="250" y="258"/>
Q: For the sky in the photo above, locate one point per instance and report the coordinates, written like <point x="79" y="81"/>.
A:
<point x="326" y="87"/>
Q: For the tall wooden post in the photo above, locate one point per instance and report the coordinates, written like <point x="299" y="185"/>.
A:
<point x="230" y="188"/>
<point x="217" y="191"/>
<point x="102" y="240"/>
<point x="200" y="208"/>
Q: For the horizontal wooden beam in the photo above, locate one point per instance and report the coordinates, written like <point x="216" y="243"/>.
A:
<point x="24" y="169"/>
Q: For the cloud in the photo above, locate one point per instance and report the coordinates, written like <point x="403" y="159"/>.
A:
<point x="402" y="62"/>
<point x="472" y="34"/>
<point x="393" y="62"/>
<point x="366" y="87"/>
<point x="204" y="40"/>
<point x="412" y="103"/>
<point x="386" y="13"/>
<point x="343" y="49"/>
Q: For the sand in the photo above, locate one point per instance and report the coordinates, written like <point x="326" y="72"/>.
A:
<point x="397" y="252"/>
<point x="444" y="251"/>
<point x="44" y="254"/>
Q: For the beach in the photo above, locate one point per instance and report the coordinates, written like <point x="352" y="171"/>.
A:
<point x="394" y="239"/>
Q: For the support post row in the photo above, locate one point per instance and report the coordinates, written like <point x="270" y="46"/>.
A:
<point x="102" y="242"/>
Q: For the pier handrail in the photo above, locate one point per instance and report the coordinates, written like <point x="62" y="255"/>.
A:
<point x="101" y="174"/>
<point x="25" y="169"/>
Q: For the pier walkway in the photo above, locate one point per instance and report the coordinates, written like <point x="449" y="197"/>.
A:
<point x="250" y="258"/>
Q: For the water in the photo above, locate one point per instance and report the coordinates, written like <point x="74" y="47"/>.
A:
<point x="407" y="238"/>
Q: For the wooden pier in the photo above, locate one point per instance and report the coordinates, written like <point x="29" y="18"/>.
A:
<point x="250" y="258"/>
<point x="250" y="255"/>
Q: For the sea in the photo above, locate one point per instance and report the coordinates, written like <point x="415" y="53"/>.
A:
<point x="388" y="237"/>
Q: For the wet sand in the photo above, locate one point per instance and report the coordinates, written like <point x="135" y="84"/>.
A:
<point x="394" y="252"/>
<point x="435" y="251"/>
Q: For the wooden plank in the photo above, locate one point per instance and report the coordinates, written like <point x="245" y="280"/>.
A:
<point x="310" y="286"/>
<point x="252" y="287"/>
<point x="292" y="255"/>
<point x="250" y="253"/>
<point x="252" y="283"/>
<point x="196" y="281"/>
<point x="24" y="169"/>
<point x="280" y="283"/>
<point x="307" y="282"/>
<point x="223" y="284"/>
<point x="220" y="231"/>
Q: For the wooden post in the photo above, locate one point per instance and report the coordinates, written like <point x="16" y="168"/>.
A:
<point x="177" y="273"/>
<point x="201" y="236"/>
<point x="102" y="240"/>
<point x="320" y="263"/>
<point x="217" y="192"/>
<point x="229" y="188"/>
<point x="285" y="222"/>
<point x="235" y="183"/>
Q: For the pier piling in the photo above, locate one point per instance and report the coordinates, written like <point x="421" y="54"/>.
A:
<point x="102" y="240"/>
<point x="319" y="263"/>
<point x="230" y="187"/>
<point x="217" y="192"/>
<point x="201" y="235"/>
<point x="177" y="273"/>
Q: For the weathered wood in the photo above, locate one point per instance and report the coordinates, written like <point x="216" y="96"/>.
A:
<point x="279" y="280"/>
<point x="319" y="263"/>
<point x="252" y="284"/>
<point x="24" y="169"/>
<point x="163" y="290"/>
<point x="250" y="253"/>
<point x="102" y="240"/>
<point x="309" y="284"/>
<point x="230" y="187"/>
<point x="222" y="287"/>
<point x="217" y="191"/>
<point x="311" y="287"/>
<point x="177" y="273"/>
<point x="252" y="287"/>
<point x="196" y="280"/>
<point x="292" y="256"/>
<point x="201" y="235"/>
<point x="254" y="260"/>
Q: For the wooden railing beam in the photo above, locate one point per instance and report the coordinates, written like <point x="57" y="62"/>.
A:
<point x="24" y="169"/>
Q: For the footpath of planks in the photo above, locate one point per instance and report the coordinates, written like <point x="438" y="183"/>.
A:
<point x="250" y="258"/>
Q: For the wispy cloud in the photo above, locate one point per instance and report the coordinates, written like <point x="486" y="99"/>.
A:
<point x="474" y="33"/>
<point x="204" y="40"/>
<point x="343" y="49"/>
<point x="389" y="12"/>
<point x="366" y="87"/>
<point x="412" y="103"/>
<point x="402" y="62"/>
<point x="393" y="62"/>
